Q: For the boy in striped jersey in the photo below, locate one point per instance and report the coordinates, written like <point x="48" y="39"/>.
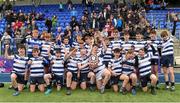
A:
<point x="115" y="68"/>
<point x="126" y="43"/>
<point x="33" y="42"/>
<point x="85" y="72"/>
<point x="167" y="59"/>
<point x="139" y="43"/>
<point x="65" y="46"/>
<point x="107" y="51"/>
<point x="80" y="46"/>
<point x="128" y="65"/>
<point x="72" y="70"/>
<point x="102" y="73"/>
<point x="116" y="43"/>
<point x="88" y="42"/>
<point x="57" y="72"/>
<point x="154" y="61"/>
<point x="46" y="49"/>
<point x="46" y="46"/>
<point x="144" y="66"/>
<point x="18" y="73"/>
<point x="36" y="68"/>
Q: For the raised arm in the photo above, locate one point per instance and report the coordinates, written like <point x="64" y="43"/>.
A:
<point x="6" y="55"/>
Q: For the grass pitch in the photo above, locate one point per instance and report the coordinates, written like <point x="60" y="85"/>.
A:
<point x="88" y="96"/>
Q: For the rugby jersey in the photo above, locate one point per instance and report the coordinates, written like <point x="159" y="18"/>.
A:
<point x="83" y="61"/>
<point x="37" y="66"/>
<point x="58" y="66"/>
<point x="139" y="45"/>
<point x="31" y="43"/>
<point x="126" y="45"/>
<point x="100" y="66"/>
<point x="19" y="64"/>
<point x="144" y="65"/>
<point x="115" y="65"/>
<point x="167" y="47"/>
<point x="88" y="47"/>
<point x="128" y="66"/>
<point x="75" y="45"/>
<point x="72" y="64"/>
<point x="155" y="44"/>
<point x="65" y="47"/>
<point x="115" y="44"/>
<point x="45" y="48"/>
<point x="107" y="54"/>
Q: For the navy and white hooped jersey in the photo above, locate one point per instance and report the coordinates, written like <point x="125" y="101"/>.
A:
<point x="167" y="47"/>
<point x="37" y="66"/>
<point x="126" y="45"/>
<point x="107" y="54"/>
<point x="75" y="45"/>
<point x="100" y="67"/>
<point x="72" y="64"/>
<point x="144" y="65"/>
<point x="100" y="51"/>
<point x="82" y="61"/>
<point x="128" y="66"/>
<point x="78" y="53"/>
<point x="115" y="44"/>
<point x="88" y="48"/>
<point x="58" y="66"/>
<point x="155" y="44"/>
<point x="65" y="47"/>
<point x="139" y="45"/>
<point x="19" y="64"/>
<point x="33" y="43"/>
<point x="45" y="48"/>
<point x="115" y="65"/>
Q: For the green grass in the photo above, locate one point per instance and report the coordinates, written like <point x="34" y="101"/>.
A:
<point x="87" y="96"/>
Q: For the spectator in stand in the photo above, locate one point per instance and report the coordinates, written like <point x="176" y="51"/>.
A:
<point x="94" y="21"/>
<point x="17" y="25"/>
<point x="61" y="6"/>
<point x="48" y="24"/>
<point x="69" y="4"/>
<point x="6" y="40"/>
<point x="54" y="23"/>
<point x="73" y="23"/>
<point x="119" y="25"/>
<point x="83" y="23"/>
<point x="102" y="21"/>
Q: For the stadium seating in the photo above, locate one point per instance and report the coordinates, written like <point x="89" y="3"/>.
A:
<point x="157" y="18"/>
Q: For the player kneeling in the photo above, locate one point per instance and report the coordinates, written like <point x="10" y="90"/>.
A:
<point x="102" y="74"/>
<point x="57" y="72"/>
<point x="36" y="67"/>
<point x="18" y="73"/>
<point x="85" y="72"/>
<point x="144" y="66"/>
<point x="115" y="68"/>
<point x="72" y="70"/>
<point x="128" y="65"/>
